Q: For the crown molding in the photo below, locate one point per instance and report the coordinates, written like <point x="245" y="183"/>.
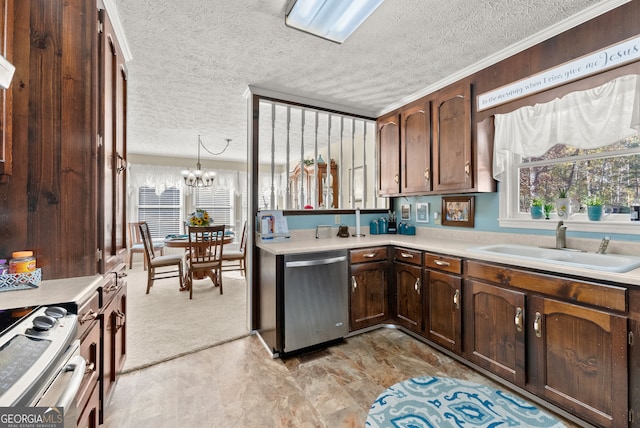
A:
<point x="562" y="26"/>
<point x="114" y="17"/>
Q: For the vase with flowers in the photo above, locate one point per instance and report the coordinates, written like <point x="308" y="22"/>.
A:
<point x="199" y="217"/>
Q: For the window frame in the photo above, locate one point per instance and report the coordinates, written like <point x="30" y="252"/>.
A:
<point x="511" y="217"/>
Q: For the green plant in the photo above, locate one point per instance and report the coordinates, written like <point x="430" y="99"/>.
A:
<point x="537" y="202"/>
<point x="562" y="192"/>
<point x="594" y="201"/>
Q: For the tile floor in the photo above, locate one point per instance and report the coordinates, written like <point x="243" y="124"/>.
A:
<point x="238" y="384"/>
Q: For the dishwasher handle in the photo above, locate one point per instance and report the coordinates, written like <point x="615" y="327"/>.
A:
<point x="318" y="262"/>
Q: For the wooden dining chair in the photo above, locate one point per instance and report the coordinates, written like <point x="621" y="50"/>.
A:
<point x="205" y="254"/>
<point x="159" y="262"/>
<point x="236" y="259"/>
<point x="137" y="246"/>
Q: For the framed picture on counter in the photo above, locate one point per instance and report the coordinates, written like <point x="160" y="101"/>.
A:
<point x="422" y="212"/>
<point x="458" y="211"/>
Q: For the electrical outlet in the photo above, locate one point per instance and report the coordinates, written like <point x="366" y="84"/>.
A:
<point x="337" y="219"/>
<point x="436" y="218"/>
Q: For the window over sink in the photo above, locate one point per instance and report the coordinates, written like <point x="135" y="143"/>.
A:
<point x="586" y="145"/>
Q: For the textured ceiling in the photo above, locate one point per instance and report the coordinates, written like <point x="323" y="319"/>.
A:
<point x="192" y="60"/>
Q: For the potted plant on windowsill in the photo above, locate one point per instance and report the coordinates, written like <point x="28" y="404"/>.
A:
<point x="537" y="205"/>
<point x="594" y="208"/>
<point x="562" y="203"/>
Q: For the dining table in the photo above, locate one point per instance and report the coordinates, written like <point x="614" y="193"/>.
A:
<point x="182" y="241"/>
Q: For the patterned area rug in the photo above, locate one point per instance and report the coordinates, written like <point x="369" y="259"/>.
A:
<point x="446" y="402"/>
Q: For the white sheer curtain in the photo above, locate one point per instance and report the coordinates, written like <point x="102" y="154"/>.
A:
<point x="162" y="177"/>
<point x="587" y="119"/>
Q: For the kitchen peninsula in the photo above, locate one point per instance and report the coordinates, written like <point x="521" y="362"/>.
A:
<point x="521" y="322"/>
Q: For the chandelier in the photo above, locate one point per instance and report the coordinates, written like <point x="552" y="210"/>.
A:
<point x="198" y="177"/>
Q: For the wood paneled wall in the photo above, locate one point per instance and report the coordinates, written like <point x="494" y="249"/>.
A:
<point x="49" y="204"/>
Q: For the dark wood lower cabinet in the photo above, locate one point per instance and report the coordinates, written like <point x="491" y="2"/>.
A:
<point x="494" y="330"/>
<point x="369" y="300"/>
<point x="578" y="359"/>
<point x="409" y="296"/>
<point x="443" y="309"/>
<point x="113" y="340"/>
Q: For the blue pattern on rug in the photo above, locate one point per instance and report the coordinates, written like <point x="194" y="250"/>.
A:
<point x="434" y="402"/>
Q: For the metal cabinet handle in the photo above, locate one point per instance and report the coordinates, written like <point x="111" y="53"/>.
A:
<point x="406" y="255"/>
<point x="456" y="299"/>
<point x="369" y="255"/>
<point x="417" y="286"/>
<point x="89" y="316"/>
<point x="442" y="263"/>
<point x="427" y="174"/>
<point x="536" y="325"/>
<point x="354" y="283"/>
<point x="467" y="168"/>
<point x="519" y="319"/>
<point x="121" y="319"/>
<point x="396" y="178"/>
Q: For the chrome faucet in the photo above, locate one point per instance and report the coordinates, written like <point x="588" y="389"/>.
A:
<point x="561" y="235"/>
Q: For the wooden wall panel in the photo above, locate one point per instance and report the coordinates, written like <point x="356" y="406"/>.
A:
<point x="49" y="204"/>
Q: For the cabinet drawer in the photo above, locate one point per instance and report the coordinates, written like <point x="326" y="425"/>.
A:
<point x="368" y="255"/>
<point x="87" y="314"/>
<point x="407" y="256"/>
<point x="603" y="295"/>
<point x="445" y="263"/>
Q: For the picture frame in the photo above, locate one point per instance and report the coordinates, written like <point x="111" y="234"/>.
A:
<point x="422" y="212"/>
<point x="458" y="211"/>
<point x="405" y="212"/>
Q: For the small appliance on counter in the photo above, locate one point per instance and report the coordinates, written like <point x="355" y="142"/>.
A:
<point x="406" y="229"/>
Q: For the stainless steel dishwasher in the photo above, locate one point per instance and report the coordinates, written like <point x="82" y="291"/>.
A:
<point x="316" y="294"/>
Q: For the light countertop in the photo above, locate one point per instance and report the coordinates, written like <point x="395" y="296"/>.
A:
<point x="450" y="243"/>
<point x="58" y="291"/>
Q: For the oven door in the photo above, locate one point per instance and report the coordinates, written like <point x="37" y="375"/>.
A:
<point x="65" y="386"/>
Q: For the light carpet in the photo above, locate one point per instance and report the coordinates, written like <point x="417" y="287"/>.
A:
<point x="434" y="402"/>
<point x="166" y="324"/>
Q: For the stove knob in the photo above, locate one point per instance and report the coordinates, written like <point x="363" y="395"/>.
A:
<point x="44" y="322"/>
<point x="56" y="312"/>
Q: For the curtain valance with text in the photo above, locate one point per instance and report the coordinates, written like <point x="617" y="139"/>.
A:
<point x="587" y="119"/>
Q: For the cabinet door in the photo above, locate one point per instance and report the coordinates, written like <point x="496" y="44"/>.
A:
<point x="369" y="297"/>
<point x="443" y="314"/>
<point x="452" y="151"/>
<point x="389" y="156"/>
<point x="409" y="296"/>
<point x="578" y="360"/>
<point x="113" y="150"/>
<point x="113" y="343"/>
<point x="494" y="329"/>
<point x="415" y="149"/>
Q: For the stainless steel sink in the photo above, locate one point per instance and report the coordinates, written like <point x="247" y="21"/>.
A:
<point x="604" y="262"/>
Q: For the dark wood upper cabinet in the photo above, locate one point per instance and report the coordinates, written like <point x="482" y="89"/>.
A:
<point x="389" y="155"/>
<point x="415" y="149"/>
<point x="452" y="147"/>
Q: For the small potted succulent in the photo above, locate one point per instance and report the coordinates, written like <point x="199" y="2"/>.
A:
<point x="595" y="206"/>
<point x="562" y="203"/>
<point x="537" y="205"/>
